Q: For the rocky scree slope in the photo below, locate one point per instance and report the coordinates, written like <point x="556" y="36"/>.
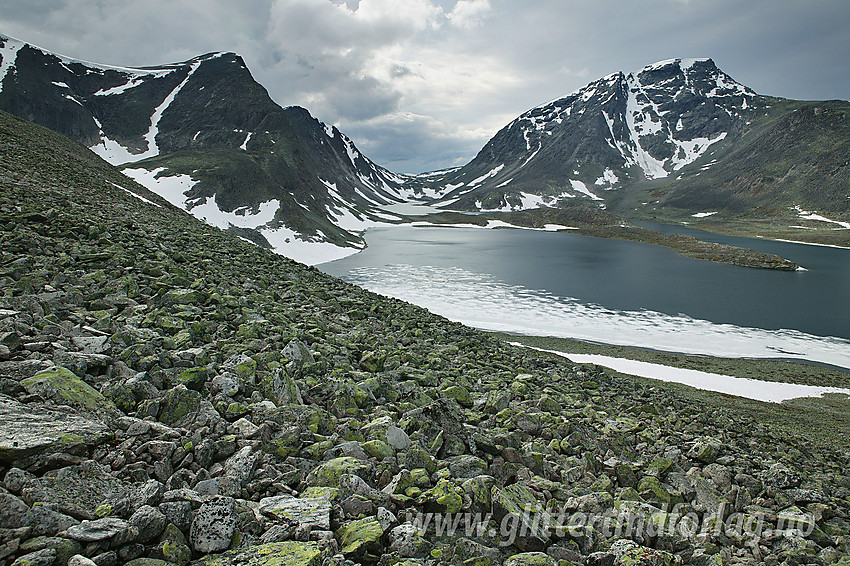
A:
<point x="207" y="136"/>
<point x="170" y="394"/>
<point x="678" y="134"/>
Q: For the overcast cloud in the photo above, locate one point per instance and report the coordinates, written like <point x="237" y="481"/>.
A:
<point x="423" y="84"/>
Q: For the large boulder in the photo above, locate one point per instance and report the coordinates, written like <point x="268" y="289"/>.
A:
<point x="61" y="386"/>
<point x="30" y="429"/>
<point x="312" y="511"/>
<point x="78" y="490"/>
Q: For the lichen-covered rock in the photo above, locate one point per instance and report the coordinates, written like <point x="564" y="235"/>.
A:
<point x="444" y="497"/>
<point x="213" y="525"/>
<point x="149" y="521"/>
<point x="629" y="553"/>
<point x="62" y="386"/>
<point x="378" y="449"/>
<point x="706" y="450"/>
<point x="397" y="438"/>
<point x="407" y="541"/>
<point x="13" y="511"/>
<point x="241" y="466"/>
<point x="78" y="491"/>
<point x="97" y="530"/>
<point x="44" y="557"/>
<point x="467" y="466"/>
<point x="173" y="547"/>
<point x="329" y="473"/>
<point x="359" y="537"/>
<point x="193" y="378"/>
<point x="478" y="493"/>
<point x="288" y="553"/>
<point x="314" y="512"/>
<point x="147" y="562"/>
<point x="530" y="559"/>
<point x="178" y="404"/>
<point x="515" y="504"/>
<point x="30" y="429"/>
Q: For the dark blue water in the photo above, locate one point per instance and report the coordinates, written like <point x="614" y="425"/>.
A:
<point x="631" y="276"/>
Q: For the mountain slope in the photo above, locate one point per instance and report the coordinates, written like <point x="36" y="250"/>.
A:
<point x="176" y="394"/>
<point x="679" y="132"/>
<point x="206" y="127"/>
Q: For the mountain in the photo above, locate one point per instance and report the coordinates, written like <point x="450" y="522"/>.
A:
<point x="170" y="394"/>
<point x="207" y="136"/>
<point x="678" y="134"/>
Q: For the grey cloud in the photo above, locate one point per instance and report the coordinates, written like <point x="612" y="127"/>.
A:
<point x="367" y="70"/>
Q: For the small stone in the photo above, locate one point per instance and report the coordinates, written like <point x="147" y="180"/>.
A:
<point x="397" y="438"/>
<point x="97" y="530"/>
<point x="150" y="522"/>
<point x="530" y="559"/>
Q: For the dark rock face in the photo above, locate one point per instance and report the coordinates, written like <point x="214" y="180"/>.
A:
<point x="333" y="426"/>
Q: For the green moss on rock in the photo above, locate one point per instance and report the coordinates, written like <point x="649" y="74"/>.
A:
<point x="361" y="536"/>
<point x="329" y="473"/>
<point x="63" y="386"/>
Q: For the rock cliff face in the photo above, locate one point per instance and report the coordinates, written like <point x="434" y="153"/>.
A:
<point x="171" y="394"/>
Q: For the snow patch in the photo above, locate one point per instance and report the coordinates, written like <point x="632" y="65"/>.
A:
<point x="132" y="83"/>
<point x="287" y="242"/>
<point x="704" y="214"/>
<point x="492" y="173"/>
<point x="768" y="391"/>
<point x="806" y="215"/>
<point x="482" y="301"/>
<point x="608" y="178"/>
<point x="150" y="137"/>
<point x="580" y="187"/>
<point x="244" y="146"/>
<point x="140" y="197"/>
<point x="8" y="53"/>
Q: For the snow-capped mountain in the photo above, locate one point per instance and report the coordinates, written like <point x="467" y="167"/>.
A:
<point x="679" y="134"/>
<point x="204" y="134"/>
<point x="622" y="128"/>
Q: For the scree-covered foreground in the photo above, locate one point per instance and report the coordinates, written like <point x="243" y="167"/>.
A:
<point x="171" y="394"/>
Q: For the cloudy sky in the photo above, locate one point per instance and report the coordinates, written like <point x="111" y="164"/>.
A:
<point x="423" y="84"/>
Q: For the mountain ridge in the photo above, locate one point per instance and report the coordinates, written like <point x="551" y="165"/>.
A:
<point x="208" y="124"/>
<point x="639" y="144"/>
<point x="656" y="143"/>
